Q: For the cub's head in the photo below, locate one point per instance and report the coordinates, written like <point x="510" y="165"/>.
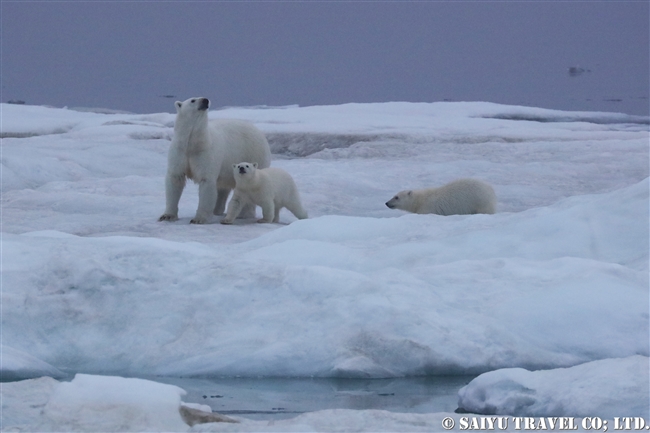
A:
<point x="244" y="170"/>
<point x="401" y="200"/>
<point x="192" y="105"/>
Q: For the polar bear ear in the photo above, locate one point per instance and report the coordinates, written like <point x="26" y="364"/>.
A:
<point x="410" y="193"/>
<point x="178" y="105"/>
<point x="234" y="166"/>
<point x="255" y="164"/>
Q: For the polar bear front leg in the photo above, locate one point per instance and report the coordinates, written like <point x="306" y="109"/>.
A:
<point x="235" y="206"/>
<point x="207" y="199"/>
<point x="268" y="212"/>
<point x="174" y="184"/>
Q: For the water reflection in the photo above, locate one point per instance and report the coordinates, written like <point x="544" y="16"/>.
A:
<point x="275" y="398"/>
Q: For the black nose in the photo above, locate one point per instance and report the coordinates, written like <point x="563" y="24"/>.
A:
<point x="389" y="205"/>
<point x="242" y="170"/>
<point x="205" y="103"/>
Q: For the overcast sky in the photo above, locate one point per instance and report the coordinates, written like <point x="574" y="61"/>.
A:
<point x="132" y="55"/>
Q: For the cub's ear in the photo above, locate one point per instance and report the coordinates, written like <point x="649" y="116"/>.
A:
<point x="178" y="105"/>
<point x="234" y="166"/>
<point x="255" y="164"/>
<point x="410" y="193"/>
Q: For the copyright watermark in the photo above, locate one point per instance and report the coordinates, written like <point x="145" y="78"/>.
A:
<point x="546" y="423"/>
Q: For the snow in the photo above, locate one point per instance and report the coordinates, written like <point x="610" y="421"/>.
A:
<point x="338" y="420"/>
<point x="342" y="296"/>
<point x="104" y="404"/>
<point x="559" y="392"/>
<point x="95" y="403"/>
<point x="92" y="283"/>
<point x="17" y="365"/>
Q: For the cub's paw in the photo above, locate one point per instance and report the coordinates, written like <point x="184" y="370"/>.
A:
<point x="262" y="221"/>
<point x="168" y="217"/>
<point x="226" y="221"/>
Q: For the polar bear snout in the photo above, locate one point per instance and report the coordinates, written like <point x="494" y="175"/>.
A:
<point x="391" y="204"/>
<point x="242" y="169"/>
<point x="204" y="104"/>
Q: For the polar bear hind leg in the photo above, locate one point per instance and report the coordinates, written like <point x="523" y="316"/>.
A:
<point x="222" y="197"/>
<point x="269" y="213"/>
<point x="276" y="217"/>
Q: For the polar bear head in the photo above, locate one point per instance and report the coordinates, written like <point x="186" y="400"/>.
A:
<point x="401" y="200"/>
<point x="244" y="171"/>
<point x="192" y="105"/>
<point x="191" y="115"/>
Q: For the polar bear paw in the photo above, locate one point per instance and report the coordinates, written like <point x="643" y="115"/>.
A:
<point x="168" y="217"/>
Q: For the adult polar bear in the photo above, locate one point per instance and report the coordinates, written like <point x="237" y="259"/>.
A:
<point x="204" y="151"/>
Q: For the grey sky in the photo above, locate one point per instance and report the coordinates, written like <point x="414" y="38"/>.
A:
<point x="128" y="55"/>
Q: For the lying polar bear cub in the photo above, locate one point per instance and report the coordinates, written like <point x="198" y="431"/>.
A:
<point x="271" y="188"/>
<point x="460" y="197"/>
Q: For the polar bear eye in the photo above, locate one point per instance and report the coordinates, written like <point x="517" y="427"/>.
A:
<point x="396" y="198"/>
<point x="193" y="101"/>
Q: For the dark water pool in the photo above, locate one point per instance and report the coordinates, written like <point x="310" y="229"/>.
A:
<point x="275" y="398"/>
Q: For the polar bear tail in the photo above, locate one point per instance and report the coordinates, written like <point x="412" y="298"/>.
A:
<point x="298" y="211"/>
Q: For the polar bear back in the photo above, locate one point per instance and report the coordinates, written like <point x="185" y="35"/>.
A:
<point x="278" y="184"/>
<point x="460" y="197"/>
<point x="252" y="146"/>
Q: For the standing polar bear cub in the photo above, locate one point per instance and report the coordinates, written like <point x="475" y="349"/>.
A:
<point x="271" y="188"/>
<point x="460" y="197"/>
<point x="204" y="150"/>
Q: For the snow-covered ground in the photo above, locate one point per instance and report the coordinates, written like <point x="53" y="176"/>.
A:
<point x="93" y="283"/>
<point x="560" y="392"/>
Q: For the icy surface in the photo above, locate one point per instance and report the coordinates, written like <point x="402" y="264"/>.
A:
<point x="20" y="365"/>
<point x="338" y="420"/>
<point x="93" y="283"/>
<point x="91" y="404"/>
<point x="94" y="403"/>
<point x="607" y="388"/>
<point x="104" y="404"/>
<point x="23" y="403"/>
<point x="342" y="296"/>
<point x="108" y="404"/>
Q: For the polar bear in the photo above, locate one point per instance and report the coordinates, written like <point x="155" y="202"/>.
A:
<point x="204" y="150"/>
<point x="460" y="197"/>
<point x="271" y="188"/>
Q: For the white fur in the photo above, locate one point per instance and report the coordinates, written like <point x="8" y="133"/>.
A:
<point x="271" y="188"/>
<point x="204" y="152"/>
<point x="460" y="197"/>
